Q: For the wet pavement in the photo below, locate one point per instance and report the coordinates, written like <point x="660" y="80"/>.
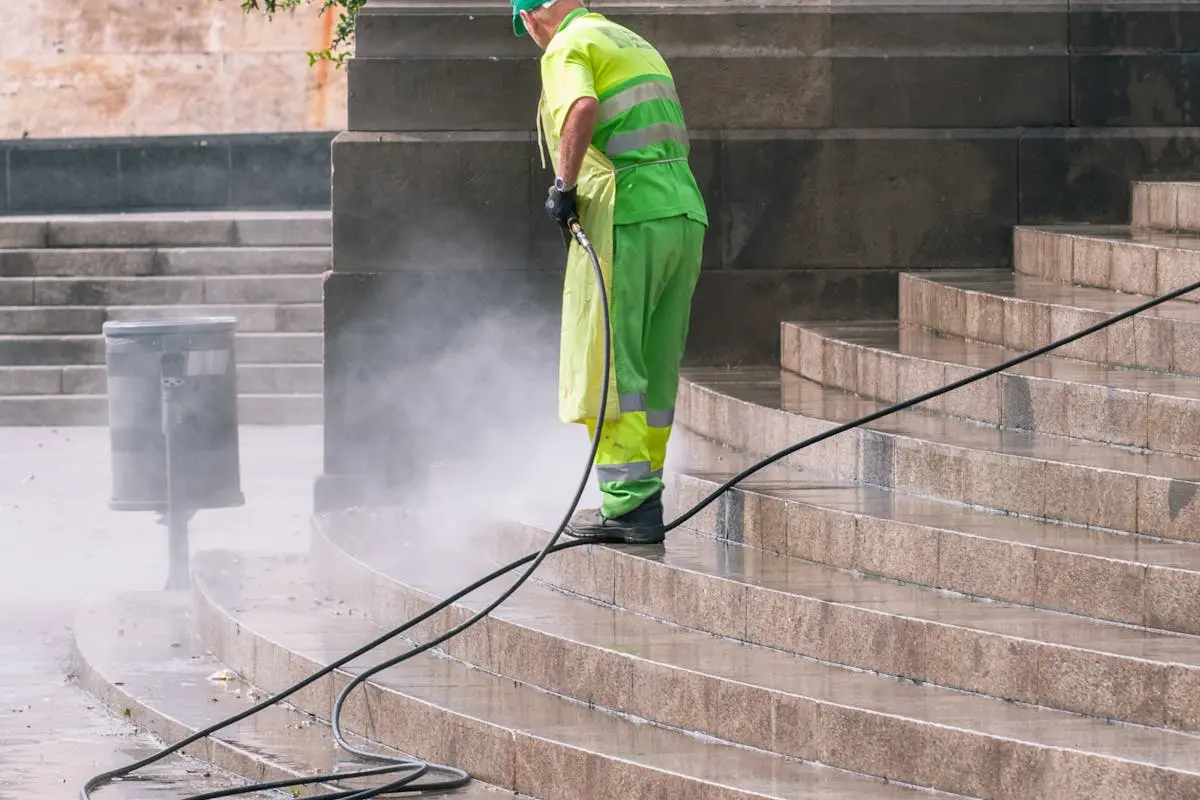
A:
<point x="62" y="545"/>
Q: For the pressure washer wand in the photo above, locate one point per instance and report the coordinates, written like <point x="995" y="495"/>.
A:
<point x="576" y="229"/>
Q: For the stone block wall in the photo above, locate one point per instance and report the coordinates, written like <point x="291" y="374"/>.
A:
<point x="120" y="68"/>
<point x="836" y="144"/>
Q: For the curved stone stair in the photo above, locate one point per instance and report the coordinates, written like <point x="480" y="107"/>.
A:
<point x="267" y="620"/>
<point x="995" y="594"/>
<point x="62" y="277"/>
<point x="139" y="655"/>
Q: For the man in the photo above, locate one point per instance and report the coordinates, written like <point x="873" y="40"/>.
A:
<point x="617" y="138"/>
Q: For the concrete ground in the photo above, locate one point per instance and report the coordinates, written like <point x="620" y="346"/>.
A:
<point x="59" y="544"/>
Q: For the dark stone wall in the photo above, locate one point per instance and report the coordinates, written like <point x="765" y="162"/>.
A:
<point x="245" y="171"/>
<point x="834" y="145"/>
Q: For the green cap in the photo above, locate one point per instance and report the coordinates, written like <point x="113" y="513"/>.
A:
<point x="518" y="7"/>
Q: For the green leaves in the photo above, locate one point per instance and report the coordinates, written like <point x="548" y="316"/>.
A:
<point x="343" y="33"/>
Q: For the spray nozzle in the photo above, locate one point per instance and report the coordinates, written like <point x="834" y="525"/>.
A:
<point x="576" y="228"/>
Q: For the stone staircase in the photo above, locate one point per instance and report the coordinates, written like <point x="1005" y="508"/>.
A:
<point x="62" y="277"/>
<point x="993" y="595"/>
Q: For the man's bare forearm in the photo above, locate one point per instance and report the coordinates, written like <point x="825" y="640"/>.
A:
<point x="576" y="136"/>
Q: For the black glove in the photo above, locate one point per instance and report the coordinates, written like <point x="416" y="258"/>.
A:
<point x="560" y="205"/>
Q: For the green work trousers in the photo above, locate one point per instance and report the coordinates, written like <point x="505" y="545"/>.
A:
<point x="655" y="267"/>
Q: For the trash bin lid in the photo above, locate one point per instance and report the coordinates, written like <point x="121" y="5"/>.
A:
<point x="160" y="327"/>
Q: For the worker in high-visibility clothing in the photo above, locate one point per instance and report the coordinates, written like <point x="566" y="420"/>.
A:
<point x="619" y="146"/>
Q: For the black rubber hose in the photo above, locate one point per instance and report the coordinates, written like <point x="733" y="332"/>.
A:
<point x="416" y="769"/>
<point x="459" y="778"/>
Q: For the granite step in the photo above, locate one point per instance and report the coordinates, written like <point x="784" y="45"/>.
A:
<point x="1018" y="472"/>
<point x="71" y="379"/>
<point x="1113" y="257"/>
<point x="264" y="618"/>
<point x="714" y="577"/>
<point x="252" y="348"/>
<point x="890" y="361"/>
<point x="194" y="290"/>
<point x="138" y="655"/>
<point x="169" y="229"/>
<point x="1166" y="206"/>
<point x="1023" y="312"/>
<point x="924" y="735"/>
<point x="92" y="409"/>
<point x="150" y="262"/>
<point x="261" y="318"/>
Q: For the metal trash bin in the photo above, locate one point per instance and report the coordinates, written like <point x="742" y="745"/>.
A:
<point x="188" y="364"/>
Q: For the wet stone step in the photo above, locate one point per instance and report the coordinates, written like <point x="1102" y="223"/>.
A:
<point x="91" y="409"/>
<point x="1109" y="257"/>
<point x="1018" y="472"/>
<point x="1022" y="312"/>
<point x="658" y="671"/>
<point x="195" y="290"/>
<point x="169" y="229"/>
<point x="1166" y="206"/>
<point x="712" y="584"/>
<point x="263" y="617"/>
<point x="73" y="379"/>
<point x="251" y="348"/>
<point x="891" y="361"/>
<point x="117" y="263"/>
<point x="138" y="656"/>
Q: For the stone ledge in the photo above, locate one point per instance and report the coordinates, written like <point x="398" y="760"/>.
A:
<point x="245" y="171"/>
<point x="765" y="91"/>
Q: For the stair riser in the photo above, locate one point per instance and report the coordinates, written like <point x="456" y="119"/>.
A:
<point x="1144" y="341"/>
<point x="301" y="318"/>
<point x="139" y="712"/>
<point x="228" y="290"/>
<point x="151" y="263"/>
<point x="46" y="321"/>
<point x="1042" y="577"/>
<point x="1067" y="678"/>
<point x="1122" y="266"/>
<point x="1166" y="207"/>
<point x="792" y="725"/>
<point x="22" y="233"/>
<point x="43" y="351"/>
<point x="252" y="379"/>
<point x="500" y="756"/>
<point x="198" y="231"/>
<point x="1002" y="481"/>
<point x="68" y="410"/>
<point x="1085" y="411"/>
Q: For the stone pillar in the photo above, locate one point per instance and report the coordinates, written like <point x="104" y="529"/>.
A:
<point x="835" y="145"/>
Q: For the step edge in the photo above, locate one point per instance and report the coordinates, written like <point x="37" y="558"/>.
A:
<point x="607" y="655"/>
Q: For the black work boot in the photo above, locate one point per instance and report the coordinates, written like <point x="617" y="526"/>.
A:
<point x="643" y="525"/>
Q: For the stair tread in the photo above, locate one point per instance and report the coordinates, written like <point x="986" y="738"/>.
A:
<point x="911" y="340"/>
<point x="1121" y="233"/>
<point x="692" y="552"/>
<point x="279" y="602"/>
<point x="1006" y="283"/>
<point x="167" y="674"/>
<point x="99" y="337"/>
<point x="168" y="216"/>
<point x="438" y="567"/>
<point x="777" y="389"/>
